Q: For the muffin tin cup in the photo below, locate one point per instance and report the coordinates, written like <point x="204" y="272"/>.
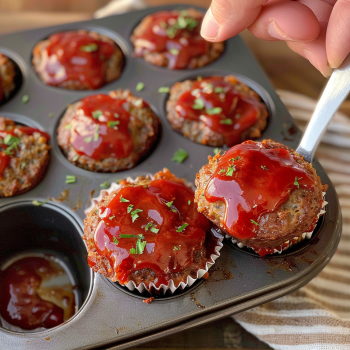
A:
<point x="113" y="316"/>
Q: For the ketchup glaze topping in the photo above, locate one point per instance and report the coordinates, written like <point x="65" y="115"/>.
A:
<point x="157" y="227"/>
<point x="221" y="107"/>
<point x="176" y="34"/>
<point x="21" y="304"/>
<point x="253" y="181"/>
<point x="75" y="56"/>
<point x="99" y="128"/>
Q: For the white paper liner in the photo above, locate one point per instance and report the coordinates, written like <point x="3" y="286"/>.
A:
<point x="291" y="242"/>
<point x="131" y="285"/>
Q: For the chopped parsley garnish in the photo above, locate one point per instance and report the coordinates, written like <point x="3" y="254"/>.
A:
<point x="155" y="230"/>
<point x="222" y="171"/>
<point x="12" y="142"/>
<point x="130" y="236"/>
<point x="230" y="171"/>
<point x="132" y="251"/>
<point x="227" y="121"/>
<point x="296" y="183"/>
<point x="216" y="151"/>
<point x="263" y="167"/>
<point x="181" y="228"/>
<point x="96" y="134"/>
<point x="97" y="114"/>
<point x="179" y="156"/>
<point x="163" y="90"/>
<point x="134" y="214"/>
<point x="130" y="206"/>
<point x="174" y="52"/>
<point x="25" y="99"/>
<point x="104" y="184"/>
<point x="215" y="110"/>
<point x="89" y="47"/>
<point x="189" y="202"/>
<point x="38" y="203"/>
<point x="123" y="199"/>
<point x="140" y="86"/>
<point x="176" y="248"/>
<point x="111" y="217"/>
<point x="68" y="126"/>
<point x="115" y="240"/>
<point x="218" y="89"/>
<point x="88" y="139"/>
<point x="198" y="104"/>
<point x="71" y="179"/>
<point x="254" y="222"/>
<point x="171" y="32"/>
<point x="113" y="124"/>
<point x="150" y="226"/>
<point x="169" y="204"/>
<point x="140" y="246"/>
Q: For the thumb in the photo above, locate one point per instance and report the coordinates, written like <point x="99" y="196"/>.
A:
<point x="226" y="18"/>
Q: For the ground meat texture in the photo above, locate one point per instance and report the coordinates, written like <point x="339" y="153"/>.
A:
<point x="165" y="39"/>
<point x="289" y="220"/>
<point x="61" y="70"/>
<point x="27" y="162"/>
<point x="214" y="133"/>
<point x="7" y="77"/>
<point x="143" y="128"/>
<point x="147" y="275"/>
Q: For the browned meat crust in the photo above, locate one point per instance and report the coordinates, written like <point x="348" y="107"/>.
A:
<point x="101" y="264"/>
<point x="113" y="68"/>
<point x="159" y="58"/>
<point x="7" y="77"/>
<point x="144" y="127"/>
<point x="290" y="220"/>
<point x="197" y="131"/>
<point x="28" y="164"/>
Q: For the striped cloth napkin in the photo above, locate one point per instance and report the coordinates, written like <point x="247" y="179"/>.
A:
<point x="318" y="315"/>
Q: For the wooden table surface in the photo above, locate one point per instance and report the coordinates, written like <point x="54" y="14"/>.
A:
<point x="285" y="69"/>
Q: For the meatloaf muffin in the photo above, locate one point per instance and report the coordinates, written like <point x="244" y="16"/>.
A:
<point x="216" y="111"/>
<point x="262" y="194"/>
<point x="108" y="133"/>
<point x="78" y="60"/>
<point x="148" y="232"/>
<point x="24" y="157"/>
<point x="172" y="39"/>
<point x="7" y="77"/>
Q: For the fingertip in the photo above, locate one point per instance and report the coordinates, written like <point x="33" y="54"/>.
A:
<point x="210" y="27"/>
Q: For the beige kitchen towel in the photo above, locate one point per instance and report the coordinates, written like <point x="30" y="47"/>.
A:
<point x="318" y="315"/>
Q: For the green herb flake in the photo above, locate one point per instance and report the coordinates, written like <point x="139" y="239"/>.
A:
<point x="263" y="167"/>
<point x="169" y="204"/>
<point x="163" y="90"/>
<point x="176" y="248"/>
<point x="181" y="22"/>
<point x="296" y="183"/>
<point x="230" y="171"/>
<point x="189" y="202"/>
<point x="104" y="184"/>
<point x="123" y="199"/>
<point x="134" y="214"/>
<point x="96" y="114"/>
<point x="132" y="251"/>
<point x="174" y="52"/>
<point x="222" y="171"/>
<point x="254" y="222"/>
<point x="68" y="126"/>
<point x="38" y="203"/>
<point x="148" y="226"/>
<point x="154" y="230"/>
<point x="71" y="179"/>
<point x="215" y="110"/>
<point x="25" y="99"/>
<point x="140" y="246"/>
<point x="140" y="86"/>
<point x="113" y="124"/>
<point x="130" y="207"/>
<point x="115" y="240"/>
<point x="89" y="47"/>
<point x="111" y="217"/>
<point x="181" y="228"/>
<point x="198" y="104"/>
<point x="171" y="32"/>
<point x="130" y="236"/>
<point x="191" y="23"/>
<point x="227" y="121"/>
<point x="179" y="156"/>
<point x="96" y="134"/>
<point x="218" y="90"/>
<point x="11" y="140"/>
<point x="88" y="139"/>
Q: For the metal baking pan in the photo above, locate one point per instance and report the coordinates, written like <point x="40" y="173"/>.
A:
<point x="112" y="317"/>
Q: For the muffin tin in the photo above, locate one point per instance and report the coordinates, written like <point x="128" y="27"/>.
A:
<point x="109" y="315"/>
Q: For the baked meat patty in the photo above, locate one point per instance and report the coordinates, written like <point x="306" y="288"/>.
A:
<point x="78" y="60"/>
<point x="216" y="111"/>
<point x="24" y="157"/>
<point x="148" y="231"/>
<point x="108" y="133"/>
<point x="172" y="39"/>
<point x="262" y="194"/>
<point x="7" y="77"/>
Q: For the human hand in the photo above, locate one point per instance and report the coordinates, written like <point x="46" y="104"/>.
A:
<point x="318" y="30"/>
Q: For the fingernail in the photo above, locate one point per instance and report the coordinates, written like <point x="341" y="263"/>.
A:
<point x="210" y="28"/>
<point x="326" y="72"/>
<point x="276" y="32"/>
